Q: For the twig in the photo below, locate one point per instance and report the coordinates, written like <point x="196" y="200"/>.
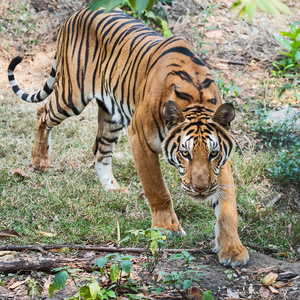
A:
<point x="94" y="248"/>
<point x="275" y="200"/>
<point x="238" y="145"/>
<point x="230" y="62"/>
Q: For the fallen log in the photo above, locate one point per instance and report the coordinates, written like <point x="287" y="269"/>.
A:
<point x="98" y="248"/>
<point x="45" y="265"/>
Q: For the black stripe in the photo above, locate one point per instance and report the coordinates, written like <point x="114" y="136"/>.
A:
<point x="47" y="89"/>
<point x="158" y="128"/>
<point x="52" y="112"/>
<point x="116" y="130"/>
<point x="38" y="96"/>
<point x="181" y="50"/>
<point x="15" y="89"/>
<point x="105" y="152"/>
<point x="183" y="75"/>
<point x="113" y="140"/>
<point x="11" y="77"/>
<point x="53" y="72"/>
<point x="24" y="96"/>
<point x="184" y="96"/>
<point x="212" y="100"/>
<point x="207" y="82"/>
<point x="146" y="139"/>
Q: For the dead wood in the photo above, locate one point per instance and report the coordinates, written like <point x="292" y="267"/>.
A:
<point x="45" y="265"/>
<point x="275" y="200"/>
<point x="95" y="248"/>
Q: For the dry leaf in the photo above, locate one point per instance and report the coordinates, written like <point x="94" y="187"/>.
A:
<point x="47" y="284"/>
<point x="31" y="168"/>
<point x="232" y="294"/>
<point x="20" y="173"/>
<point x="214" y="34"/>
<point x="240" y="101"/>
<point x="74" y="165"/>
<point x="9" y="233"/>
<point x="11" y="282"/>
<point x="269" y="279"/>
<point x="16" y="284"/>
<point x="290" y="229"/>
<point x="273" y="290"/>
<point x="281" y="285"/>
<point x="265" y="270"/>
<point x="194" y="293"/>
<point x="47" y="234"/>
<point x="124" y="190"/>
<point x="264" y="293"/>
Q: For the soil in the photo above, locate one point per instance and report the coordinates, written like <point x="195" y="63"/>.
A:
<point x="238" y="47"/>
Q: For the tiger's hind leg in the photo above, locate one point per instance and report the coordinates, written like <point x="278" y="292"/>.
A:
<point x="41" y="159"/>
<point x="104" y="146"/>
<point x="48" y="116"/>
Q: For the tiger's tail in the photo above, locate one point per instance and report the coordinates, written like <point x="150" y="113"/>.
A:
<point x="40" y="95"/>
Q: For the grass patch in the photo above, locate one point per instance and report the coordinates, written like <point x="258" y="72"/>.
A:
<point x="72" y="204"/>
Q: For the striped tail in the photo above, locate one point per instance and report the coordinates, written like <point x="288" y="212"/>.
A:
<point x="37" y="97"/>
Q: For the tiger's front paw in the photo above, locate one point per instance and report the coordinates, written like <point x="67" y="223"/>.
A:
<point x="167" y="220"/>
<point x="41" y="164"/>
<point x="232" y="255"/>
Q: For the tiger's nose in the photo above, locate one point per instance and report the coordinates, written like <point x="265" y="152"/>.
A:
<point x="200" y="189"/>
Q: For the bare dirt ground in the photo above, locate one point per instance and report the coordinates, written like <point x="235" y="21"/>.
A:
<point x="238" y="47"/>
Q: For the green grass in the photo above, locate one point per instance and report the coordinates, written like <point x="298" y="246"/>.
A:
<point x="72" y="204"/>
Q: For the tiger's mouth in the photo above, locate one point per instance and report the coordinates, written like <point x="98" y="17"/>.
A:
<point x="210" y="191"/>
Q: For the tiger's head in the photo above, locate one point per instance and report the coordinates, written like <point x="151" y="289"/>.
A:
<point x="198" y="144"/>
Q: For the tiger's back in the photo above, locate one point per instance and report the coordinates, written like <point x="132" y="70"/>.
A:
<point x="99" y="55"/>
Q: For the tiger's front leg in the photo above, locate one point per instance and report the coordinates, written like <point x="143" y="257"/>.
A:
<point x="230" y="250"/>
<point x="104" y="146"/>
<point x="148" y="168"/>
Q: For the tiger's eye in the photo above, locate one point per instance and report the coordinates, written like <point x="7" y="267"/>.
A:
<point x="185" y="154"/>
<point x="213" y="154"/>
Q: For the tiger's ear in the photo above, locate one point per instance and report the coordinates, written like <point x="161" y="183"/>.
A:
<point x="224" y="115"/>
<point x="172" y="114"/>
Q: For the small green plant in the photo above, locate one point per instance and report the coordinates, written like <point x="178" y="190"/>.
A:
<point x="112" y="266"/>
<point x="91" y="290"/>
<point x="138" y="6"/>
<point x="283" y="139"/>
<point x="202" y="29"/>
<point x="290" y="63"/>
<point x="273" y="7"/>
<point x="155" y="18"/>
<point x="154" y="241"/>
<point x="227" y="89"/>
<point x="207" y="296"/>
<point x="181" y="280"/>
<point x="229" y="274"/>
<point x="34" y="288"/>
<point x="280" y="134"/>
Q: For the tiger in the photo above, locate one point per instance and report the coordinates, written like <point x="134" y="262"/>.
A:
<point x="163" y="94"/>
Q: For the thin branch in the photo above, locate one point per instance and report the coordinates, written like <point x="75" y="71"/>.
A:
<point x="94" y="248"/>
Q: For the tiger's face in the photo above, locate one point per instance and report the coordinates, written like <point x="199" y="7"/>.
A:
<point x="199" y="145"/>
